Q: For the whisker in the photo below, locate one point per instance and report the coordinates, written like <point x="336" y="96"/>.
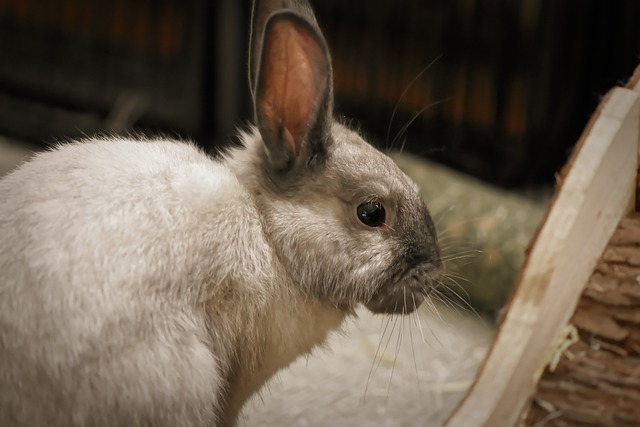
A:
<point x="386" y="346"/>
<point x="413" y="347"/>
<point x="441" y="214"/>
<point x="459" y="223"/>
<point x="453" y="282"/>
<point x="449" y="303"/>
<point x="430" y="151"/>
<point x="419" y="324"/>
<point x="470" y="251"/>
<point x="413" y="118"/>
<point x="460" y="257"/>
<point x="455" y="249"/>
<point x="404" y="92"/>
<point x="404" y="142"/>
<point x="445" y="239"/>
<point x="398" y="342"/>
<point x="377" y="352"/>
<point x="452" y="276"/>
<point x="440" y="297"/>
<point x="452" y="279"/>
<point x="466" y="304"/>
<point x="434" y="309"/>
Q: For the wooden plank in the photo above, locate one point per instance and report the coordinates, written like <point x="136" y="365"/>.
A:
<point x="595" y="190"/>
<point x="596" y="382"/>
<point x="634" y="84"/>
<point x="634" y="81"/>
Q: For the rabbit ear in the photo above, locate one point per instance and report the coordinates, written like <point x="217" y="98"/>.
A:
<point x="261" y="10"/>
<point x="293" y="91"/>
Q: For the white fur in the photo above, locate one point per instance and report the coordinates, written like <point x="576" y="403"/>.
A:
<point x="105" y="247"/>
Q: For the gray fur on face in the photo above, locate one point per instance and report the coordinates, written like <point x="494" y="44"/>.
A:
<point x="310" y="217"/>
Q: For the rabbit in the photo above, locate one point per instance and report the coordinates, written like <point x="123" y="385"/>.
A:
<point x="144" y="282"/>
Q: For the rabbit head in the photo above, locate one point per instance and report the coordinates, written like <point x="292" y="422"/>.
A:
<point x="348" y="226"/>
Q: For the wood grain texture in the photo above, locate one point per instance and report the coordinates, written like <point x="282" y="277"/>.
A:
<point x="595" y="190"/>
<point x="597" y="379"/>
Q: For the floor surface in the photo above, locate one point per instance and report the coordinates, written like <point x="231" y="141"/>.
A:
<point x="384" y="371"/>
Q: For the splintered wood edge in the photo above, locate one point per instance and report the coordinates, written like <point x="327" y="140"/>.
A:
<point x="634" y="84"/>
<point x="595" y="190"/>
<point x="634" y="81"/>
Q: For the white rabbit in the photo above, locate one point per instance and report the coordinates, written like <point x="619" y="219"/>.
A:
<point x="145" y="283"/>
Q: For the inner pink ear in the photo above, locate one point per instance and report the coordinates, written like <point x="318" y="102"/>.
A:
<point x="294" y="75"/>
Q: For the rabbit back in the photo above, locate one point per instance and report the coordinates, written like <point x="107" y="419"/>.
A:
<point x="72" y="208"/>
<point x="108" y="247"/>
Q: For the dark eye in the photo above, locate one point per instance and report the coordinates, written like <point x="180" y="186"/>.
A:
<point x="371" y="214"/>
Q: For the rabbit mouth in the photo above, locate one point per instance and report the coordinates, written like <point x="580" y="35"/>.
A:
<point x="406" y="293"/>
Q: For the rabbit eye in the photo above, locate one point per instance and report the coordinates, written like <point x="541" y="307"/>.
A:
<point x="371" y="214"/>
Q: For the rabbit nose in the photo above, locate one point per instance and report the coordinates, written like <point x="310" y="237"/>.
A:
<point x="428" y="254"/>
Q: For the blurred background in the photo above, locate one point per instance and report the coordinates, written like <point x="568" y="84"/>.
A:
<point x="501" y="89"/>
<point x="486" y="98"/>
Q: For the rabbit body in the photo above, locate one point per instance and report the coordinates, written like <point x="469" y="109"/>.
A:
<point x="140" y="330"/>
<point x="146" y="283"/>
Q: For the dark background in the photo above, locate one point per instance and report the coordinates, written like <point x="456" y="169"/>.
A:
<point x="510" y="86"/>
